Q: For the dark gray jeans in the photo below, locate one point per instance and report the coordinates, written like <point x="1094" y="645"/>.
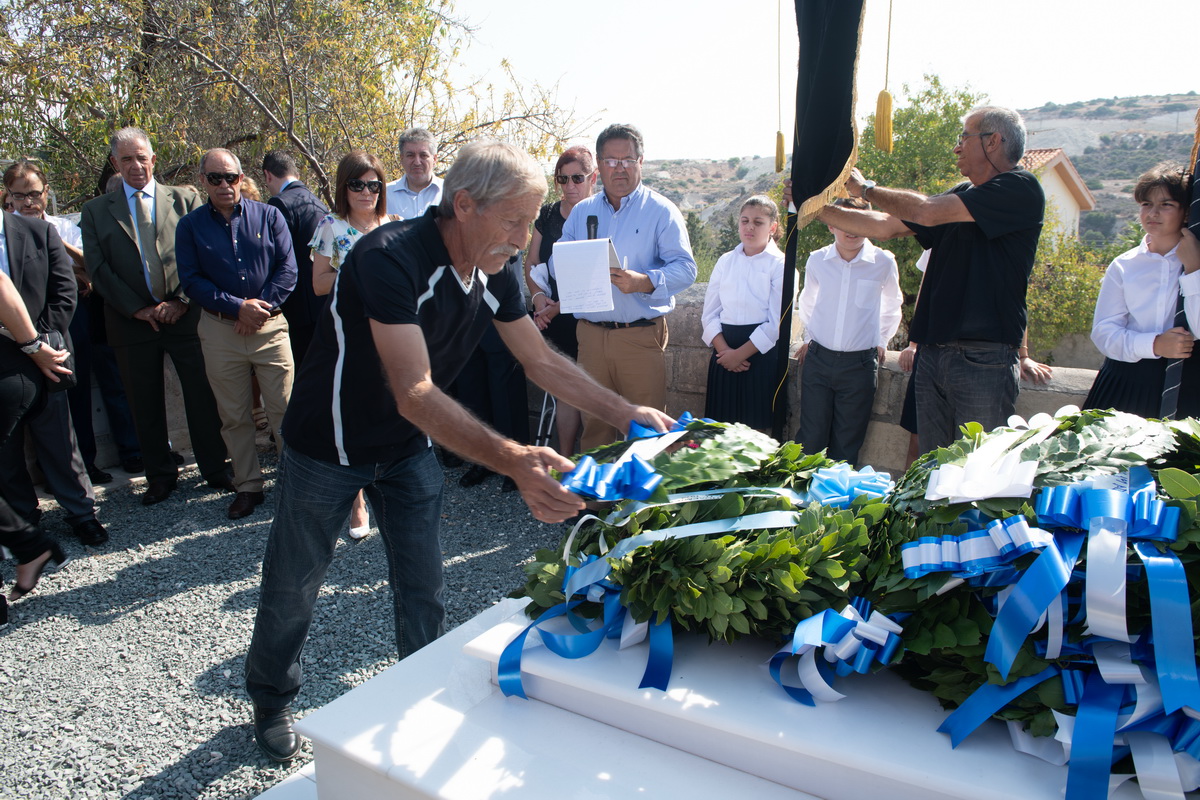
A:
<point x="963" y="382"/>
<point x="837" y="390"/>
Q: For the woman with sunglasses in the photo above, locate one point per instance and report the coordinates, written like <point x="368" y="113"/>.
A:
<point x="575" y="178"/>
<point x="359" y="206"/>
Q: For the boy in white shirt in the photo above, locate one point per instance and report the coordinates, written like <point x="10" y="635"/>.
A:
<point x="850" y="309"/>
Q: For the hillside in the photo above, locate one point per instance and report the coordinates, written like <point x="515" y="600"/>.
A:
<point x="1110" y="140"/>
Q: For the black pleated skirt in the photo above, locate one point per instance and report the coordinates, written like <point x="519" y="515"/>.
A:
<point x="1136" y="387"/>
<point x="741" y="396"/>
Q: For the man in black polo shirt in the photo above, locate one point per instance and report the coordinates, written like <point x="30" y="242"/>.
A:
<point x="408" y="308"/>
<point x="970" y="316"/>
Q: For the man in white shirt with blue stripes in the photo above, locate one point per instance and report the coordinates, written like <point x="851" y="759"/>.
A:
<point x="624" y="349"/>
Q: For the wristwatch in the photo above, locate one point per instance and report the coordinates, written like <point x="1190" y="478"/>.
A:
<point x="866" y="185"/>
<point x="32" y="346"/>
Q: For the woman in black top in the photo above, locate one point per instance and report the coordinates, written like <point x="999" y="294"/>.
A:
<point x="575" y="177"/>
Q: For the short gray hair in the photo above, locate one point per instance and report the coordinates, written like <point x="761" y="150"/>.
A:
<point x="237" y="162"/>
<point x="1007" y="123"/>
<point x="129" y="134"/>
<point x="417" y="136"/>
<point x="491" y="171"/>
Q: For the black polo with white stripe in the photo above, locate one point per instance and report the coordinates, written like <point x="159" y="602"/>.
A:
<point x="341" y="409"/>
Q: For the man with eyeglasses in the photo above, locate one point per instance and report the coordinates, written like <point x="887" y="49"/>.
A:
<point x="971" y="316"/>
<point x="236" y="260"/>
<point x="302" y="210"/>
<point x="625" y="349"/>
<point x="129" y="246"/>
<point x="418" y="188"/>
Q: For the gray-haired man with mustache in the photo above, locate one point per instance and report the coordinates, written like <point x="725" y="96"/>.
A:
<point x="408" y="307"/>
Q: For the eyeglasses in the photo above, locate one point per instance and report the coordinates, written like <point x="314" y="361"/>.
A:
<point x="356" y="185"/>
<point x="962" y="137"/>
<point x="562" y="179"/>
<point x="21" y="197"/>
<point x="613" y="163"/>
<point x="216" y="178"/>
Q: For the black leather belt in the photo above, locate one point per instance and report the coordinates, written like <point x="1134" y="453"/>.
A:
<point x="275" y="312"/>
<point x="978" y="344"/>
<point x="637" y="323"/>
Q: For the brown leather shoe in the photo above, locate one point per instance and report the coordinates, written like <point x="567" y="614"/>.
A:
<point x="243" y="505"/>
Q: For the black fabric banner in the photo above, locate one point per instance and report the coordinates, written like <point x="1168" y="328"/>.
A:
<point x="825" y="142"/>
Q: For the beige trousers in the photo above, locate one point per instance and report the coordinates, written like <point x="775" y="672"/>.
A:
<point x="228" y="359"/>
<point x="631" y="362"/>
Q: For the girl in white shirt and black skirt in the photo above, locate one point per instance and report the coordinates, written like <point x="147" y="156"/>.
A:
<point x="1135" y="321"/>
<point x="741" y="320"/>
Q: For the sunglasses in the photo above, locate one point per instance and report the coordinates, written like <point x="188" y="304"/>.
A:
<point x="355" y="185"/>
<point x="216" y="178"/>
<point x="561" y="180"/>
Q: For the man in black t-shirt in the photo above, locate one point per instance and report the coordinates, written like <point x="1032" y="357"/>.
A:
<point x="409" y="306"/>
<point x="970" y="316"/>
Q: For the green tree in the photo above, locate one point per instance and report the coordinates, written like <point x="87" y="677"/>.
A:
<point x="702" y="246"/>
<point x="315" y="76"/>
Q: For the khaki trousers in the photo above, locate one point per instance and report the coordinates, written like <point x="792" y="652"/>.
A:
<point x="228" y="359"/>
<point x="631" y="362"/>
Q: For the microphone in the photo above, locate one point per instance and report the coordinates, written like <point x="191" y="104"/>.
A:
<point x="593" y="222"/>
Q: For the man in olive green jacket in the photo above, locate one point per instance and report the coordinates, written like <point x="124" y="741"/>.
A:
<point x="129" y="246"/>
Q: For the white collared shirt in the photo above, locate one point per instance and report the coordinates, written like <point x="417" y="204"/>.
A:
<point x="850" y="305"/>
<point x="745" y="290"/>
<point x="408" y="204"/>
<point x="1137" y="302"/>
<point x="68" y="231"/>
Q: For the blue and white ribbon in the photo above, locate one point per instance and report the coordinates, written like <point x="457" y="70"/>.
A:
<point x="631" y="476"/>
<point x="850" y="643"/>
<point x="975" y="552"/>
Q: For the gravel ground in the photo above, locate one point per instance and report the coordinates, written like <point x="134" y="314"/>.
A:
<point x="121" y="676"/>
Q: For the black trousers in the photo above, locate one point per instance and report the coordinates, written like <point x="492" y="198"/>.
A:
<point x="21" y="395"/>
<point x="837" y="390"/>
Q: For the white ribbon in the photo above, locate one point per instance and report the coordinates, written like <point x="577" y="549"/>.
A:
<point x="1105" y="579"/>
<point x="1043" y="747"/>
<point x="1116" y="663"/>
<point x="995" y="469"/>
<point x="1157" y="773"/>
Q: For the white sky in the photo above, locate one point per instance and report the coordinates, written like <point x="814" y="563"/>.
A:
<point x="700" y="77"/>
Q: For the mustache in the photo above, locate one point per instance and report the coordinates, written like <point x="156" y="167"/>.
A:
<point x="507" y="252"/>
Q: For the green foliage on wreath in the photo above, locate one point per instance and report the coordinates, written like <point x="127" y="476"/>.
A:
<point x="756" y="583"/>
<point x="945" y="635"/>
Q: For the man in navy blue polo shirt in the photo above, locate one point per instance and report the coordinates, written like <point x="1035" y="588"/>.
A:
<point x="235" y="260"/>
<point x="408" y="308"/>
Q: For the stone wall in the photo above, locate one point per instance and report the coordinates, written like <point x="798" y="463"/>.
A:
<point x="886" y="446"/>
<point x="885" y="449"/>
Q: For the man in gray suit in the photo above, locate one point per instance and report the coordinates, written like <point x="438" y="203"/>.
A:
<point x="129" y="245"/>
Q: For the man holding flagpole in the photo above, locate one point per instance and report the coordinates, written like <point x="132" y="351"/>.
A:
<point x="971" y="314"/>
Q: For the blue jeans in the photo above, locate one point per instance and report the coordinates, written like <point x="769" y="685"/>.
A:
<point x="312" y="506"/>
<point x="958" y="383"/>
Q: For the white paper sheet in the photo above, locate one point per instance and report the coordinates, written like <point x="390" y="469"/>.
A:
<point x="581" y="269"/>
